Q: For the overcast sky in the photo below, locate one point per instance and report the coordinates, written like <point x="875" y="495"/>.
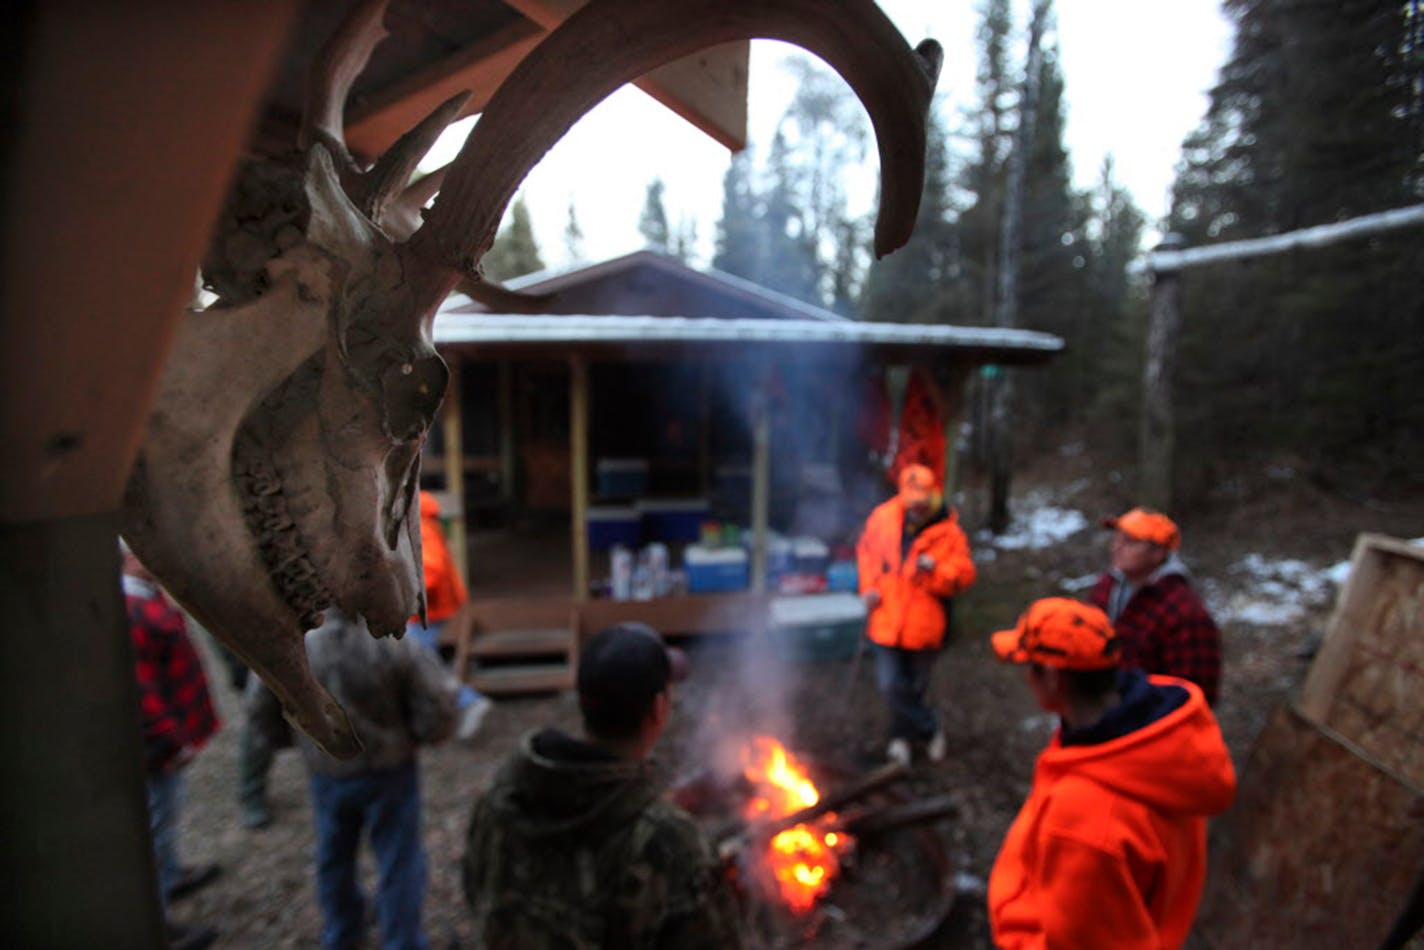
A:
<point x="1136" y="73"/>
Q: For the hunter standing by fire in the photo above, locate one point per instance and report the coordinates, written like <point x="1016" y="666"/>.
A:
<point x="1109" y="850"/>
<point x="912" y="558"/>
<point x="574" y="846"/>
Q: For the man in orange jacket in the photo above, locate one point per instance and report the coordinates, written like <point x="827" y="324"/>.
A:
<point x="912" y="559"/>
<point x="1109" y="850"/>
<point x="445" y="593"/>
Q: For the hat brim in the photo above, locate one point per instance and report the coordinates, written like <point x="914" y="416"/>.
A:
<point x="1006" y="646"/>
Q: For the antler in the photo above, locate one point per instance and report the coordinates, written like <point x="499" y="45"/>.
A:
<point x="610" y="42"/>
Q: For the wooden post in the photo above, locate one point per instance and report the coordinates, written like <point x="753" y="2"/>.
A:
<point x="1157" y="433"/>
<point x="506" y="432"/>
<point x="453" y="431"/>
<point x="77" y="860"/>
<point x="704" y="428"/>
<point x="578" y="471"/>
<point x="761" y="486"/>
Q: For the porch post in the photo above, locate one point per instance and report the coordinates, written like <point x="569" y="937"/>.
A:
<point x="453" y="431"/>
<point x="761" y="486"/>
<point x="578" y="471"/>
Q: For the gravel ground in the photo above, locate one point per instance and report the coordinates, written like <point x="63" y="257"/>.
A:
<point x="825" y="710"/>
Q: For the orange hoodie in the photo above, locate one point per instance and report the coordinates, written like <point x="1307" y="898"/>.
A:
<point x="1109" y="850"/>
<point x="911" y="613"/>
<point x="444" y="587"/>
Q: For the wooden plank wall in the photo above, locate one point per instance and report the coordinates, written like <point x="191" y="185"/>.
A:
<point x="1322" y="848"/>
<point x="1325" y="844"/>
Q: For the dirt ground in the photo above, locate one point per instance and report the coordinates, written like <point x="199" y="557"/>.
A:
<point x="826" y="711"/>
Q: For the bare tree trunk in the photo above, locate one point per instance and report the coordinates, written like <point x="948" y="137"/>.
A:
<point x="1001" y="423"/>
<point x="1157" y="434"/>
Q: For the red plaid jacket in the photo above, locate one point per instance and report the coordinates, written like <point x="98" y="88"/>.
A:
<point x="1165" y="629"/>
<point x="177" y="711"/>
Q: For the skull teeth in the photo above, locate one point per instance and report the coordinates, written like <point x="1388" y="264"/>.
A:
<point x="264" y="507"/>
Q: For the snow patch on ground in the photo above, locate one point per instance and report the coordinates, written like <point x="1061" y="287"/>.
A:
<point x="1037" y="528"/>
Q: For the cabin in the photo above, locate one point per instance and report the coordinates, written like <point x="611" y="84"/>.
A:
<point x="673" y="445"/>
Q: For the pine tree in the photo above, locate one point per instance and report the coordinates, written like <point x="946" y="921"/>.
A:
<point x="573" y="236"/>
<point x="515" y="252"/>
<point x="653" y="222"/>
<point x="739" y="231"/>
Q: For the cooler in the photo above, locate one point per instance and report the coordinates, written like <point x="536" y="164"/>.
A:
<point x="622" y="478"/>
<point x="816" y="626"/>
<point x="843" y="575"/>
<point x="609" y="525"/>
<point x="668" y="519"/>
<point x="715" y="570"/>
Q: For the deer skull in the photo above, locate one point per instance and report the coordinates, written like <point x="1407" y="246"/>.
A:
<point x="280" y="467"/>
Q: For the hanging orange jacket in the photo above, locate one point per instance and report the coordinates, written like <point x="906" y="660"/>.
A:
<point x="921" y="438"/>
<point x="445" y="589"/>
<point x="1109" y="849"/>
<point x="911" y="613"/>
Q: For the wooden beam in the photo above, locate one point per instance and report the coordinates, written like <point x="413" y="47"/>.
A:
<point x="453" y="432"/>
<point x="126" y="122"/>
<point x="507" y="459"/>
<point x="578" y="472"/>
<point x="479" y="68"/>
<point x="708" y="88"/>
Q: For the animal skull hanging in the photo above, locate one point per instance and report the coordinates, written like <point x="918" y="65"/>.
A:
<point x="280" y="467"/>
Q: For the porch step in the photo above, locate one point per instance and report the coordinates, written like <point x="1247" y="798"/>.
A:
<point x="522" y="643"/>
<point x="522" y="678"/>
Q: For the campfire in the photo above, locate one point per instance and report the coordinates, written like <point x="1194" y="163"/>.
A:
<point x="802" y="860"/>
<point x="820" y="857"/>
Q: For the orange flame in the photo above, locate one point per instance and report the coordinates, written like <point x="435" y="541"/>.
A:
<point x="803" y="860"/>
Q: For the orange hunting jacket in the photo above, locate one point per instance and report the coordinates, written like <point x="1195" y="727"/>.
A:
<point x="912" y="612"/>
<point x="445" y="589"/>
<point x="1109" y="850"/>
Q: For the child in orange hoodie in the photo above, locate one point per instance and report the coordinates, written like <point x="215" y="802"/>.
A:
<point x="1109" y="850"/>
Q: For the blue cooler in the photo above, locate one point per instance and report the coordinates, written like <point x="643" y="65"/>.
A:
<point x="608" y="526"/>
<point x="622" y="478"/>
<point x="843" y="575"/>
<point x="816" y="626"/>
<point x="715" y="570"/>
<point x="667" y="519"/>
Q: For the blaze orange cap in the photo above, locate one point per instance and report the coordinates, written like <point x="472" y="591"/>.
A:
<point x="917" y="485"/>
<point x="1147" y="525"/>
<point x="1060" y="632"/>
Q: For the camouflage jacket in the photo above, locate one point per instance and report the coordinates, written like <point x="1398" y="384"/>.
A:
<point x="573" y="848"/>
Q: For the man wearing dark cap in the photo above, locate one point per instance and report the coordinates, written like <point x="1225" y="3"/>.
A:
<point x="573" y="845"/>
<point x="1109" y="850"/>
<point x="1160" y="621"/>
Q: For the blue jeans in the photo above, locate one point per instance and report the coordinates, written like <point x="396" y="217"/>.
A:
<point x="165" y="799"/>
<point x="429" y="637"/>
<point x="903" y="677"/>
<point x="388" y="805"/>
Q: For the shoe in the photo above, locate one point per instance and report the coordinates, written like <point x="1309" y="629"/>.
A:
<point x="898" y="751"/>
<point x="192" y="937"/>
<point x="256" y="816"/>
<point x="472" y="717"/>
<point x="193" y="879"/>
<point x="936" y="749"/>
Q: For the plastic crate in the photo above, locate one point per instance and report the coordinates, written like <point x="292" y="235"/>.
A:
<point x="622" y="478"/>
<point x="608" y="525"/>
<point x="843" y="575"/>
<point x="672" y="519"/>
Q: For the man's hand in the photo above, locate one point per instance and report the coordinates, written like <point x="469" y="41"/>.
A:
<point x="925" y="563"/>
<point x="871" y="599"/>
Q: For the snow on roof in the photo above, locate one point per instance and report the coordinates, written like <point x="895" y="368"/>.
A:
<point x="475" y="328"/>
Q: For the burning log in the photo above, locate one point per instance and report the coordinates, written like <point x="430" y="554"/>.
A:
<point x="880" y="820"/>
<point x="733" y="841"/>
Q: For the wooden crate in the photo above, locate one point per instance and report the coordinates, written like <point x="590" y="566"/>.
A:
<point x="1323" y="848"/>
<point x="1367" y="682"/>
